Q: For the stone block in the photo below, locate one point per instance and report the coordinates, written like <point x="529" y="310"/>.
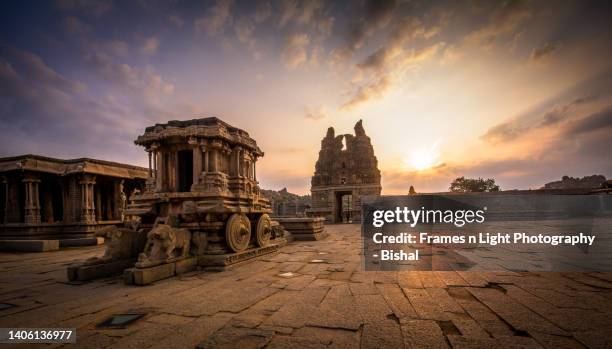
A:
<point x="186" y="265"/>
<point x="128" y="276"/>
<point x="82" y="272"/>
<point x="29" y="245"/>
<point x="304" y="229"/>
<point x="145" y="276"/>
<point x="222" y="262"/>
<point x="92" y="241"/>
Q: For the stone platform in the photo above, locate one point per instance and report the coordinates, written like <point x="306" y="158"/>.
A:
<point x="29" y="245"/>
<point x="311" y="295"/>
<point x="46" y="245"/>
<point x="223" y="262"/>
<point x="304" y="229"/>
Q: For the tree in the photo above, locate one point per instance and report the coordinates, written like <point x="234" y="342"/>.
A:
<point x="411" y="191"/>
<point x="471" y="185"/>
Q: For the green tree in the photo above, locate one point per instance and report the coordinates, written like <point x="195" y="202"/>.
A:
<point x="472" y="185"/>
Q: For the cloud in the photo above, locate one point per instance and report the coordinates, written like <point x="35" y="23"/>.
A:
<point x="392" y="59"/>
<point x="518" y="127"/>
<point x="32" y="68"/>
<point x="243" y="29"/>
<point x="176" y="20"/>
<point x="424" y="54"/>
<point x="75" y="26"/>
<point x="316" y="113"/>
<point x="543" y="52"/>
<point x="303" y="12"/>
<point x="288" y="8"/>
<point x="34" y="95"/>
<point x="406" y="29"/>
<point x="215" y="19"/>
<point x="109" y="48"/>
<point x="150" y="46"/>
<point x="395" y="58"/>
<point x="295" y="52"/>
<point x="308" y="11"/>
<point x="142" y="82"/>
<point x="263" y="11"/>
<point x="326" y="25"/>
<point x="503" y="20"/>
<point x="68" y="119"/>
<point x="599" y="121"/>
<point x="377" y="14"/>
<point x="372" y="90"/>
<point x="379" y="60"/>
<point x="90" y="7"/>
<point x="560" y="112"/>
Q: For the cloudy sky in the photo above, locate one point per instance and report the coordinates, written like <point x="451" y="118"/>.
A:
<point x="519" y="91"/>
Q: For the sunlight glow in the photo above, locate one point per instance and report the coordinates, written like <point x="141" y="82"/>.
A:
<point x="423" y="158"/>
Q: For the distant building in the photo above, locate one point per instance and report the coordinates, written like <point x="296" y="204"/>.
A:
<point x="43" y="198"/>
<point x="343" y="175"/>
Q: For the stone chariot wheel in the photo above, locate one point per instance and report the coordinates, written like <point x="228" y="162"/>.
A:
<point x="264" y="230"/>
<point x="238" y="232"/>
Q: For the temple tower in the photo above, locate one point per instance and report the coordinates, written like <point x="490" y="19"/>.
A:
<point x="346" y="170"/>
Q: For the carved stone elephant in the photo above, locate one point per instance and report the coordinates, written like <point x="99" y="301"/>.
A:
<point x="165" y="243"/>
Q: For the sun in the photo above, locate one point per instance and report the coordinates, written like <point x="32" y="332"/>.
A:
<point x="423" y="158"/>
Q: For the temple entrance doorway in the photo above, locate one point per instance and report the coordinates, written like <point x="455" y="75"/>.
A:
<point x="51" y="200"/>
<point x="343" y="204"/>
<point x="185" y="170"/>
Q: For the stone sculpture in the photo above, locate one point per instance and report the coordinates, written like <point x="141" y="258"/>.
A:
<point x="165" y="244"/>
<point x="120" y="243"/>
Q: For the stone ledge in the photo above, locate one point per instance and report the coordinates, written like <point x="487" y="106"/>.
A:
<point x="146" y="276"/>
<point x="29" y="245"/>
<point x="82" y="272"/>
<point x="304" y="229"/>
<point x="223" y="262"/>
<point x="92" y="241"/>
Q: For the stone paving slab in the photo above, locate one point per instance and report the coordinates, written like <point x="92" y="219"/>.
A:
<point x="329" y="303"/>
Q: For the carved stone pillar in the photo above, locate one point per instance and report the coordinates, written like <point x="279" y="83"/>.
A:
<point x="88" y="212"/>
<point x="159" y="174"/>
<point x="215" y="160"/>
<point x="237" y="151"/>
<point x="172" y="170"/>
<point x="120" y="200"/>
<point x="32" y="204"/>
<point x="255" y="169"/>
<point x="155" y="163"/>
<point x="197" y="164"/>
<point x="150" y="167"/>
<point x="206" y="159"/>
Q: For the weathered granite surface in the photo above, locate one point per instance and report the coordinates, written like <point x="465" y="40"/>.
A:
<point x="292" y="300"/>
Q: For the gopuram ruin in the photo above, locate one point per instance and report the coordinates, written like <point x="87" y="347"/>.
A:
<point x="201" y="207"/>
<point x="343" y="175"/>
<point x="48" y="203"/>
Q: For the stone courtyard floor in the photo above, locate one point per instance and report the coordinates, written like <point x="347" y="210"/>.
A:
<point x="323" y="304"/>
